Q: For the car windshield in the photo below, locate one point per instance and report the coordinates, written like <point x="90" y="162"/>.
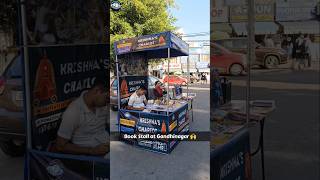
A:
<point x="152" y="80"/>
<point x="14" y="70"/>
<point x="220" y="48"/>
<point x="115" y="83"/>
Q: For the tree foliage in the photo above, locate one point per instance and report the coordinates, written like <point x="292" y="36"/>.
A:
<point x="140" y="17"/>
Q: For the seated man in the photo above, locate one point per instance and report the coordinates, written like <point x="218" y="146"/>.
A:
<point x="138" y="100"/>
<point x="82" y="129"/>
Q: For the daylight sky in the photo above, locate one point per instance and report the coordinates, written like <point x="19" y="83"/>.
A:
<point x="193" y="16"/>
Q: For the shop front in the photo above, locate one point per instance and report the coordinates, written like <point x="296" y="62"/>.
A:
<point x="220" y="27"/>
<point x="264" y="18"/>
<point x="297" y="18"/>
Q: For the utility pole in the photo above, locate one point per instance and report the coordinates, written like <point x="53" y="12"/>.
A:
<point x="251" y="51"/>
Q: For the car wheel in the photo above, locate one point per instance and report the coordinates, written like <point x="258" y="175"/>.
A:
<point x="271" y="61"/>
<point x="114" y="108"/>
<point x="12" y="149"/>
<point x="236" y="69"/>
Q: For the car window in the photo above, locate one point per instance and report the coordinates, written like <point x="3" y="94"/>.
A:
<point x="227" y="44"/>
<point x="216" y="51"/>
<point x="14" y="70"/>
<point x="240" y="43"/>
<point x="151" y="81"/>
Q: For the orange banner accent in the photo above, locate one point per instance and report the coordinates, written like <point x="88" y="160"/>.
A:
<point x="51" y="107"/>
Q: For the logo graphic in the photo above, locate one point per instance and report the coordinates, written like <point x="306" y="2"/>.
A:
<point x="54" y="169"/>
<point x="163" y="128"/>
<point x="45" y="85"/>
<point x="115" y="5"/>
<point x="193" y="136"/>
<point x="124" y="90"/>
<point x="161" y="40"/>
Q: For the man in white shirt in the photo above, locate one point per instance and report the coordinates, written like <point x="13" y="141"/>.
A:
<point x="138" y="100"/>
<point x="83" y="126"/>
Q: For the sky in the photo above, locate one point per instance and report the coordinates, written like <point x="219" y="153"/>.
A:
<point x="193" y="16"/>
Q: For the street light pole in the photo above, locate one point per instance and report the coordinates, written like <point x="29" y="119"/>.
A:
<point x="251" y="52"/>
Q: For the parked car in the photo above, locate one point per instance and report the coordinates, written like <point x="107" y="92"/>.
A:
<point x="114" y="93"/>
<point x="12" y="132"/>
<point x="265" y="57"/>
<point x="174" y="79"/>
<point x="227" y="62"/>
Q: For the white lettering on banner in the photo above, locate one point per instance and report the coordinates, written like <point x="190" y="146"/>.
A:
<point x="130" y="136"/>
<point x="159" y="146"/>
<point x="76" y="86"/>
<point x="49" y="119"/>
<point x="146" y="129"/>
<point x="79" y="67"/>
<point x="145" y="143"/>
<point x="132" y="83"/>
<point x="231" y="165"/>
<point x="150" y="121"/>
<point x="147" y="39"/>
<point x="132" y="89"/>
<point x="172" y="136"/>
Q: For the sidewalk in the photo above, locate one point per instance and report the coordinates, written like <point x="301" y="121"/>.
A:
<point x="315" y="65"/>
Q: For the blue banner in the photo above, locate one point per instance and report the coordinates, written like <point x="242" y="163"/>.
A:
<point x="232" y="161"/>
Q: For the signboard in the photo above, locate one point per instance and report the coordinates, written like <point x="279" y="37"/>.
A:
<point x="171" y="66"/>
<point x="137" y="124"/>
<point x="235" y="2"/>
<point x="202" y="65"/>
<point x="264" y="11"/>
<point x="219" y="14"/>
<point x="129" y="84"/>
<point x="142" y="43"/>
<point x="232" y="161"/>
<point x="60" y="75"/>
<point x="295" y="11"/>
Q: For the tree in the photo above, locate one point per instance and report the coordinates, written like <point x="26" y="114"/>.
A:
<point x="139" y="17"/>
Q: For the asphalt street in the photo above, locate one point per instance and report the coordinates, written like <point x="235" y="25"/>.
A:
<point x="292" y="130"/>
<point x="11" y="168"/>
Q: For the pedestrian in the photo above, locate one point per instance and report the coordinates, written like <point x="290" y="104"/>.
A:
<point x="300" y="51"/>
<point x="217" y="98"/>
<point x="268" y="42"/>
<point x="308" y="47"/>
<point x="203" y="78"/>
<point x="206" y="78"/>
<point x="287" y="45"/>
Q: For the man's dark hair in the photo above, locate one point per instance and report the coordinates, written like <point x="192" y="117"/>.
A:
<point x="142" y="88"/>
<point x="101" y="82"/>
